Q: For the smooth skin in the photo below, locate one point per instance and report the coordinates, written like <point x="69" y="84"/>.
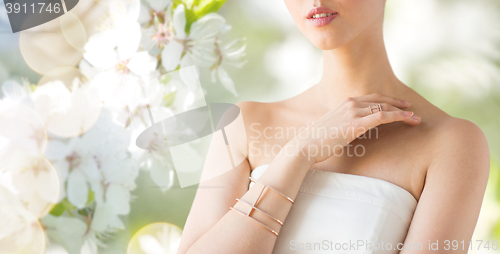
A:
<point x="441" y="160"/>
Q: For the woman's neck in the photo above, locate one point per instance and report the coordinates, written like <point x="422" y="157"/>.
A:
<point x="358" y="68"/>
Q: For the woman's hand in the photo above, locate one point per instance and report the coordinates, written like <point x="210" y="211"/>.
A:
<point x="348" y="121"/>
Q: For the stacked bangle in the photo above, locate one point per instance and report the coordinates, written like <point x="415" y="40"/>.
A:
<point x="260" y="210"/>
<point x="248" y="216"/>
<point x="285" y="196"/>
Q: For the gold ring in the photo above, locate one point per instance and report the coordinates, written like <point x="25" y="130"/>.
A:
<point x="378" y="107"/>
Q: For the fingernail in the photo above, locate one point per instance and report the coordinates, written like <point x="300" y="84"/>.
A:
<point x="415" y="117"/>
<point x="407" y="103"/>
<point x="408" y="113"/>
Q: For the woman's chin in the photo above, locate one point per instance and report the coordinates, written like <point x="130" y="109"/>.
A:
<point x="328" y="44"/>
<point x="327" y="40"/>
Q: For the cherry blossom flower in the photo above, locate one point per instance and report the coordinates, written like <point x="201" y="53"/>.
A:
<point x="21" y="232"/>
<point x="197" y="47"/>
<point x="32" y="185"/>
<point x="157" y="19"/>
<point x="67" y="113"/>
<point x="98" y="161"/>
<point x="121" y="67"/>
<point x="201" y="47"/>
<point x="230" y="54"/>
<point x="77" y="137"/>
<point x="157" y="161"/>
<point x="113" y="57"/>
<point x="27" y="179"/>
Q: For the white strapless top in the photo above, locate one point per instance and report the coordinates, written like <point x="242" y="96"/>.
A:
<point x="345" y="213"/>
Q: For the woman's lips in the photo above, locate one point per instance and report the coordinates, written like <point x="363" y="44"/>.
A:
<point x="322" y="21"/>
<point x="321" y="16"/>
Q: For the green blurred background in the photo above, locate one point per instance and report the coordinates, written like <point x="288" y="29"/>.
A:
<point x="447" y="50"/>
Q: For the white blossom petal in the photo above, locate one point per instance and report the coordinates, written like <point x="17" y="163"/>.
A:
<point x="159" y="5"/>
<point x="100" y="218"/>
<point x="225" y="28"/>
<point x="118" y="199"/>
<point x="77" y="189"/>
<point x="188" y="61"/>
<point x="100" y="49"/>
<point x="207" y="26"/>
<point x="133" y="9"/>
<point x="179" y="22"/>
<point x="142" y="63"/>
<point x="98" y="190"/>
<point x="104" y="219"/>
<point x="6" y="182"/>
<point x="117" y="91"/>
<point x="25" y="183"/>
<point x="189" y="73"/>
<point x="144" y="15"/>
<point x="213" y="75"/>
<point x="46" y="186"/>
<point x="162" y="174"/>
<point x="90" y="168"/>
<point x="69" y="232"/>
<point x="89" y="247"/>
<point x="129" y="37"/>
<point x="65" y="113"/>
<point x="171" y="55"/>
<point x="226" y="81"/>
<point x="56" y="150"/>
<point x="62" y="169"/>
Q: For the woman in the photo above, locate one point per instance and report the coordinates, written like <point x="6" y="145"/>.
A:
<point x="402" y="176"/>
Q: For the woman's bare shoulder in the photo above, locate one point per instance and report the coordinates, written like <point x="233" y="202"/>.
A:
<point x="455" y="132"/>
<point x="450" y="141"/>
<point x="459" y="147"/>
<point x="442" y="126"/>
<point x="253" y="110"/>
<point x="260" y="112"/>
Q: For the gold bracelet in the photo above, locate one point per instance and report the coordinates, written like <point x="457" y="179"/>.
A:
<point x="285" y="196"/>
<point x="260" y="210"/>
<point x="262" y="224"/>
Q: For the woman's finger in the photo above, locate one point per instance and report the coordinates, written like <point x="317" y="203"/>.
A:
<point x="380" y="98"/>
<point x="384" y="117"/>
<point x="368" y="108"/>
